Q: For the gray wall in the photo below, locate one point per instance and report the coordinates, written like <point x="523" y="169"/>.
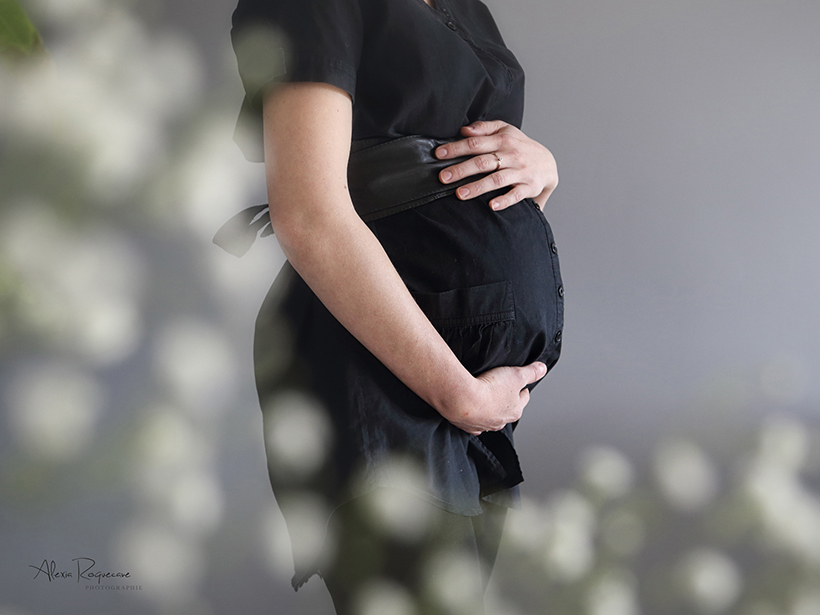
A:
<point x="687" y="142"/>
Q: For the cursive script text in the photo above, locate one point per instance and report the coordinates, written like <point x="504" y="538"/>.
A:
<point x="84" y="571"/>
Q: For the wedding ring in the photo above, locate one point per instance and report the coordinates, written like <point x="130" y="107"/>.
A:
<point x="498" y="158"/>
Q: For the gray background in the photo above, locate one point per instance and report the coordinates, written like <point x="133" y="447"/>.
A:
<point x="687" y="220"/>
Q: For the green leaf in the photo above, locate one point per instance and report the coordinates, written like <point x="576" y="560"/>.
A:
<point x="18" y="36"/>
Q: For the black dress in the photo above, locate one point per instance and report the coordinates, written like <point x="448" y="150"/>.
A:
<point x="489" y="281"/>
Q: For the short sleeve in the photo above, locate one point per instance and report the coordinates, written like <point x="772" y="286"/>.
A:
<point x="292" y="41"/>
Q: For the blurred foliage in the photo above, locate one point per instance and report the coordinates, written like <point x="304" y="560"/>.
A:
<point x="18" y="36"/>
<point x="752" y="547"/>
<point x="105" y="280"/>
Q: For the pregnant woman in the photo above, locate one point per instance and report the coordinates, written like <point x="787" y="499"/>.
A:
<point x="421" y="299"/>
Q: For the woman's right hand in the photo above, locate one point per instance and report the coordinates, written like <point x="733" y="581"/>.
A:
<point x="497" y="399"/>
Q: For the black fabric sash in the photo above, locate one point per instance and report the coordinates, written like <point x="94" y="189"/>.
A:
<point x="384" y="178"/>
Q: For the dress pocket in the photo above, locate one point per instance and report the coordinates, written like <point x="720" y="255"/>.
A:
<point x="478" y="322"/>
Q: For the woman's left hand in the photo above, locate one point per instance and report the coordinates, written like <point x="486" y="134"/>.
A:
<point x="509" y="156"/>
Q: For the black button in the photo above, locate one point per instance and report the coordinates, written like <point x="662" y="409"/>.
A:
<point x="560" y="291"/>
<point x="446" y="12"/>
<point x="558" y="337"/>
<point x="451" y="25"/>
<point x="554" y="248"/>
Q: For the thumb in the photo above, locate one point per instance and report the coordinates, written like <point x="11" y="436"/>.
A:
<point x="533" y="372"/>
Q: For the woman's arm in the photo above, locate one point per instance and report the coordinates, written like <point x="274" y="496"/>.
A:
<point x="509" y="156"/>
<point x="307" y="143"/>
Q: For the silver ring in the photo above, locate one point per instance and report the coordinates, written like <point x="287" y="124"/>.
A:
<point x="498" y="158"/>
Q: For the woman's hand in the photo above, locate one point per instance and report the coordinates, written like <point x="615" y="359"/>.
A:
<point x="498" y="398"/>
<point x="509" y="156"/>
<point x="307" y="141"/>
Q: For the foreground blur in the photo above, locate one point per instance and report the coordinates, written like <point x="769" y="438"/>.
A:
<point x="130" y="430"/>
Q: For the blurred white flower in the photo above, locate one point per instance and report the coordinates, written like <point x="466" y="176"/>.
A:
<point x="685" y="474"/>
<point x="570" y="551"/>
<point x="614" y="594"/>
<point x="172" y="468"/>
<point x="806" y="602"/>
<point x="297" y="434"/>
<point x="790" y="512"/>
<point x="108" y="95"/>
<point x="82" y="287"/>
<point x="529" y="527"/>
<point x="242" y="283"/>
<point x="784" y="442"/>
<point x="275" y="543"/>
<point x="66" y="11"/>
<point x="195" y="359"/>
<point x="396" y="504"/>
<point x="196" y="503"/>
<point x="401" y="513"/>
<point x="53" y="410"/>
<point x="607" y="470"/>
<point x="455" y="580"/>
<point x="168" y="442"/>
<point x="307" y="517"/>
<point x="213" y="182"/>
<point x="404" y="473"/>
<point x="711" y="579"/>
<point x="261" y="49"/>
<point x="168" y="566"/>
<point x="383" y="597"/>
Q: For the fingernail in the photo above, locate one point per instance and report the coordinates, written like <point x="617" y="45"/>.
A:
<point x="446" y="175"/>
<point x="495" y="206"/>
<point x="441" y="152"/>
<point x="463" y="193"/>
<point x="542" y="369"/>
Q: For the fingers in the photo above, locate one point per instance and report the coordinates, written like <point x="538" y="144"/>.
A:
<point x="492" y="182"/>
<point x="492" y="149"/>
<point x="495" y="177"/>
<point x="506" y="396"/>
<point x="473" y="145"/>
<point x="505" y="157"/>
<point x="483" y="127"/>
<point x="516" y="195"/>
<point x="483" y="163"/>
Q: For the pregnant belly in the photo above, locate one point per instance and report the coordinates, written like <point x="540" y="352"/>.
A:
<point x="489" y="281"/>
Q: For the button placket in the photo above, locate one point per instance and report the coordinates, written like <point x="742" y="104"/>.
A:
<point x="448" y="18"/>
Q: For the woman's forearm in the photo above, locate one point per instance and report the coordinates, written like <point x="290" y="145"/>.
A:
<point x="307" y="144"/>
<point x="338" y="256"/>
<point x="347" y="268"/>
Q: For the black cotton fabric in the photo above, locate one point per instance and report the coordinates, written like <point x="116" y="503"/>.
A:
<point x="489" y="281"/>
<point x="410" y="69"/>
